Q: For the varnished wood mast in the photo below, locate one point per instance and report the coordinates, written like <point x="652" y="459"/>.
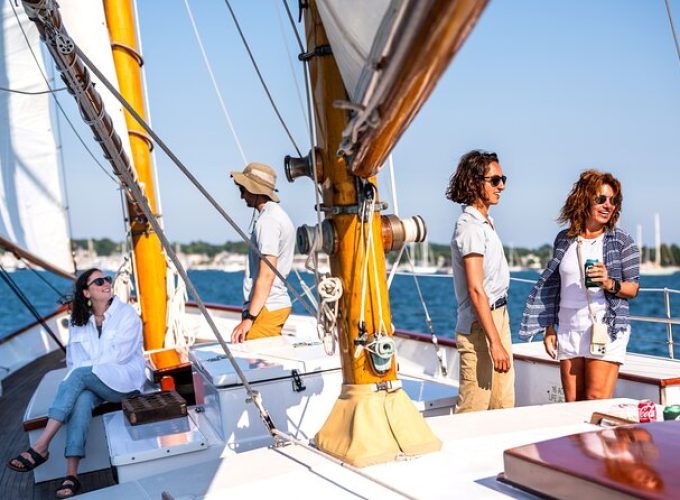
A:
<point x="339" y="189"/>
<point x="441" y="34"/>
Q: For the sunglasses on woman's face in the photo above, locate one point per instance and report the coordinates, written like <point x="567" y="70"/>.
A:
<point x="601" y="199"/>
<point x="495" y="180"/>
<point x="100" y="281"/>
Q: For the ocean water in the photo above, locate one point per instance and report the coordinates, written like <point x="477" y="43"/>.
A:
<point x="407" y="311"/>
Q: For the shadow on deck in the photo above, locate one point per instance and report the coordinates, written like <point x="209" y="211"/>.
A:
<point x="17" y="391"/>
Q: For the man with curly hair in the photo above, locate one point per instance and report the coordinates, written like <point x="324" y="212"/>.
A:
<point x="481" y="280"/>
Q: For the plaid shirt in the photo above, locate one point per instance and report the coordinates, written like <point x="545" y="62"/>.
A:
<point x="622" y="259"/>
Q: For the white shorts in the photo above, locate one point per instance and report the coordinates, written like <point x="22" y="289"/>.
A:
<point x="573" y="337"/>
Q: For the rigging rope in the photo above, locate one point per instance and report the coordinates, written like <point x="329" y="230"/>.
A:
<point x="330" y="292"/>
<point x="259" y="75"/>
<point x="439" y="352"/>
<point x="675" y="35"/>
<point x="215" y="86"/>
<point x="26" y="92"/>
<point x="27" y="303"/>
<point x="127" y="177"/>
<point x="290" y="65"/>
<point x="59" y="293"/>
<point x="182" y="168"/>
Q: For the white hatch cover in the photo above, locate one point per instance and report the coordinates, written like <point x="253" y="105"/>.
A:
<point x="263" y="359"/>
<point x="130" y="444"/>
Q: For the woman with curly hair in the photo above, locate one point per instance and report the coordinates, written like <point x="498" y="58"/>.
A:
<point x="563" y="309"/>
<point x="105" y="361"/>
<point x="481" y="280"/>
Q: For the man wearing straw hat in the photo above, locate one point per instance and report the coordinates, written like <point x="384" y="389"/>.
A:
<point x="266" y="302"/>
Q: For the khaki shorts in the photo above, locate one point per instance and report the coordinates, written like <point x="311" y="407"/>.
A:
<point x="268" y="323"/>
<point x="481" y="388"/>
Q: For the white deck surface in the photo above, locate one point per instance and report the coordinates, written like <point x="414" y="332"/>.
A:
<point x="466" y="467"/>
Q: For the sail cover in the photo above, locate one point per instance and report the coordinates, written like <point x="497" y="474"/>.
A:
<point x="352" y="26"/>
<point x="32" y="213"/>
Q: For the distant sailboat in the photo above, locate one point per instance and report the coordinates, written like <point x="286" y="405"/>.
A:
<point x="654" y="268"/>
<point x="513" y="264"/>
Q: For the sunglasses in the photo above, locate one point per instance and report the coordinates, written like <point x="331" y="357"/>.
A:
<point x="495" y="180"/>
<point x="601" y="199"/>
<point x="100" y="281"/>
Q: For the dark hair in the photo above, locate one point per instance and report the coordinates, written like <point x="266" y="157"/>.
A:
<point x="577" y="206"/>
<point x="80" y="310"/>
<point x="467" y="183"/>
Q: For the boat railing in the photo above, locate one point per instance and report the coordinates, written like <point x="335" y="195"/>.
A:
<point x="667" y="319"/>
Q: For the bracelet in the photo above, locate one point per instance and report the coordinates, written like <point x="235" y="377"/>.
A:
<point x="616" y="286"/>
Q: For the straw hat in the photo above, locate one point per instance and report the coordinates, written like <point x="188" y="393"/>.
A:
<point x="257" y="178"/>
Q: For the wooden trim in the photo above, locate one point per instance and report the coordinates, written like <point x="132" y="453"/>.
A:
<point x="23" y="254"/>
<point x="217" y="307"/>
<point x="24" y="329"/>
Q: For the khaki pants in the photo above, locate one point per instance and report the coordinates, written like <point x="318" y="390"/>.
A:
<point x="482" y="388"/>
<point x="268" y="323"/>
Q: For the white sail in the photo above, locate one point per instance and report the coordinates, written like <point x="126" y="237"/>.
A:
<point x="352" y="26"/>
<point x="92" y="37"/>
<point x="32" y="213"/>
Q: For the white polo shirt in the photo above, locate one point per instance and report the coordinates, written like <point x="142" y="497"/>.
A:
<point x="116" y="357"/>
<point x="273" y="234"/>
<point x="474" y="235"/>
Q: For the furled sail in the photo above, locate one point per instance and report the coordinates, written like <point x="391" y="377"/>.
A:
<point x="32" y="213"/>
<point x="390" y="54"/>
<point x="352" y="27"/>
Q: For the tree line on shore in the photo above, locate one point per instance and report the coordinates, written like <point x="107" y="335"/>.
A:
<point x="670" y="254"/>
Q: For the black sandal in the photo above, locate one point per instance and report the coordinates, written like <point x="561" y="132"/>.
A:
<point x="69" y="483"/>
<point x="27" y="465"/>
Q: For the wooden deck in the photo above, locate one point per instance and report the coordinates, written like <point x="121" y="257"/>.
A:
<point x="17" y="391"/>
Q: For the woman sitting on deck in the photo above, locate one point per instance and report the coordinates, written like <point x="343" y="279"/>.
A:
<point x="105" y="361"/>
<point x="568" y="303"/>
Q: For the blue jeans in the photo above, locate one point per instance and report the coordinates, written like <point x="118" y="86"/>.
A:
<point x="77" y="395"/>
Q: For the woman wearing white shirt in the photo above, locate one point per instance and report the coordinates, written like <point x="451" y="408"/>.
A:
<point x="105" y="360"/>
<point x="558" y="305"/>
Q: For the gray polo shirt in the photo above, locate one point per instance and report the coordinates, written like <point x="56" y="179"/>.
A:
<point x="274" y="234"/>
<point x="474" y="235"/>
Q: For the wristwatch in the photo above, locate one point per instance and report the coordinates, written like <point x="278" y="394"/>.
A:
<point x="615" y="287"/>
<point x="246" y="315"/>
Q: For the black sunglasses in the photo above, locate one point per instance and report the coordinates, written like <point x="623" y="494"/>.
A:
<point x="601" y="199"/>
<point x="495" y="180"/>
<point x="100" y="281"/>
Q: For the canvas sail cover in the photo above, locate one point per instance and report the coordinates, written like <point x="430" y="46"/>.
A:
<point x="352" y="26"/>
<point x="32" y="213"/>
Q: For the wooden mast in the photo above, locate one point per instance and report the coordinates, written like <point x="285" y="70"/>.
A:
<point x="353" y="432"/>
<point x="151" y="267"/>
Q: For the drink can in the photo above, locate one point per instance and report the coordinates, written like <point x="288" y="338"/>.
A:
<point x="589" y="282"/>
<point x="646" y="411"/>
<point x="671" y="412"/>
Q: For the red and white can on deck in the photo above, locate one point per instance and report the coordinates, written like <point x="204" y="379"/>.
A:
<point x="646" y="411"/>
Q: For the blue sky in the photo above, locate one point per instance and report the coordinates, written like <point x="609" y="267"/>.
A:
<point x="553" y="87"/>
